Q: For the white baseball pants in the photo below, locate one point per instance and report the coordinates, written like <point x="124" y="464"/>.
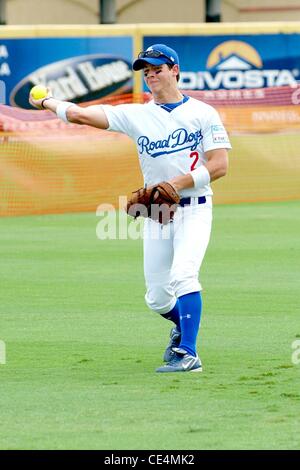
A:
<point x="173" y="255"/>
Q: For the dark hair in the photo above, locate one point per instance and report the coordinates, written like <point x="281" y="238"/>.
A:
<point x="170" y="67"/>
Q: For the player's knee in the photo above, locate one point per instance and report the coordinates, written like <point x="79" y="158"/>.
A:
<point x="159" y="301"/>
<point x="186" y="282"/>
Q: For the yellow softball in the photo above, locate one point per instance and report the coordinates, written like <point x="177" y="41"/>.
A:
<point x="38" y="92"/>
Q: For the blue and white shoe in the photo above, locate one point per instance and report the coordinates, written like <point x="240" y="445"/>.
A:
<point x="182" y="362"/>
<point x="175" y="337"/>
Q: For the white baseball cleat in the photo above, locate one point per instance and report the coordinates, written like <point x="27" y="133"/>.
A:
<point x="182" y="362"/>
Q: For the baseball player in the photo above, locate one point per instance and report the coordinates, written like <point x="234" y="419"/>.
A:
<point x="182" y="141"/>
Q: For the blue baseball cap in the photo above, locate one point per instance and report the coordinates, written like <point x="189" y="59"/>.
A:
<point x="157" y="54"/>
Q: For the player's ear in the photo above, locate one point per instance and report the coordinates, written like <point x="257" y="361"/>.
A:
<point x="175" y="69"/>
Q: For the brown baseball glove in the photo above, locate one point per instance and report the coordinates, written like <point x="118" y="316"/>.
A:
<point x="159" y="202"/>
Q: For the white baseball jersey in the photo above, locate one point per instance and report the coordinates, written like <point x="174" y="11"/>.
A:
<point x="172" y="143"/>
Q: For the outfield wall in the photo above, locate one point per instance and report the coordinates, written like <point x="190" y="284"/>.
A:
<point x="71" y="59"/>
<point x="73" y="175"/>
<point x="249" y="72"/>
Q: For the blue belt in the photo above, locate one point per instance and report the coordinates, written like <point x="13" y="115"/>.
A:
<point x="185" y="201"/>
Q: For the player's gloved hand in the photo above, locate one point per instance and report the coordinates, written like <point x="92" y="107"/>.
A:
<point x="38" y="103"/>
<point x="159" y="202"/>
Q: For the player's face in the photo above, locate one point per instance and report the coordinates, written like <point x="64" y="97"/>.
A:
<point x="158" y="77"/>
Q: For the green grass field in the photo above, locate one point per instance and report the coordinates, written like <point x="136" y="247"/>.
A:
<point x="82" y="348"/>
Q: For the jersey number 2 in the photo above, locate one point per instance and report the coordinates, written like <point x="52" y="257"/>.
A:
<point x="194" y="155"/>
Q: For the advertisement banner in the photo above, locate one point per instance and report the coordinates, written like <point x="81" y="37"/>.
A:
<point x="273" y="109"/>
<point x="76" y="69"/>
<point x="235" y="62"/>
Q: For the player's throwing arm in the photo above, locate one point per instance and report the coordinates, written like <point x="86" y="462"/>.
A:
<point x="41" y="97"/>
